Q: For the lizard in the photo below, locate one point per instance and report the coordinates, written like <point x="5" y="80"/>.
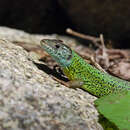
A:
<point x="78" y="70"/>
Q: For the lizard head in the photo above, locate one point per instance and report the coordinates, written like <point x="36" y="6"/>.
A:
<point x="60" y="52"/>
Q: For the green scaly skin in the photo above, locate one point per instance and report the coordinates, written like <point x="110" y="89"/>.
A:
<point x="75" y="68"/>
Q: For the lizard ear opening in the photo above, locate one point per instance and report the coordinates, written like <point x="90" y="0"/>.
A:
<point x="68" y="51"/>
<point x="69" y="56"/>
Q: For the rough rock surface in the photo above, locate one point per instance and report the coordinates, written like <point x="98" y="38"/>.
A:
<point x="31" y="100"/>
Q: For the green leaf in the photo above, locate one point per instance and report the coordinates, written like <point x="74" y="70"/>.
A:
<point x="114" y="111"/>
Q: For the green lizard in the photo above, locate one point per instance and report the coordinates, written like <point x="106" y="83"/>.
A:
<point x="77" y="69"/>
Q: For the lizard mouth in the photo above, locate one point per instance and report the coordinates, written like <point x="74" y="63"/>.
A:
<point x="44" y="43"/>
<point x="47" y="45"/>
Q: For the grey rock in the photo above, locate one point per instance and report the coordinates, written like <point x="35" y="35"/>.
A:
<point x="31" y="100"/>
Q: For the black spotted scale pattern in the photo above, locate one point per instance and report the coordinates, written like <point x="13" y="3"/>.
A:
<point x="95" y="82"/>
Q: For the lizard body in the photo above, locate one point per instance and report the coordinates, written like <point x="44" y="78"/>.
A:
<point x="77" y="69"/>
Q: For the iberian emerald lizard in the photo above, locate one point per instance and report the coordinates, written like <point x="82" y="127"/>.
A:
<point x="77" y="69"/>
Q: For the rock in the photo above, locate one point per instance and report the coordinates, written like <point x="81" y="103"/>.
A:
<point x="94" y="17"/>
<point x="31" y="100"/>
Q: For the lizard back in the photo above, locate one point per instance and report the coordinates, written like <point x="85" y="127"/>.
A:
<point x="95" y="81"/>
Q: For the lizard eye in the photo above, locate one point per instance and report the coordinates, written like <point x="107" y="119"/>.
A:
<point x="57" y="46"/>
